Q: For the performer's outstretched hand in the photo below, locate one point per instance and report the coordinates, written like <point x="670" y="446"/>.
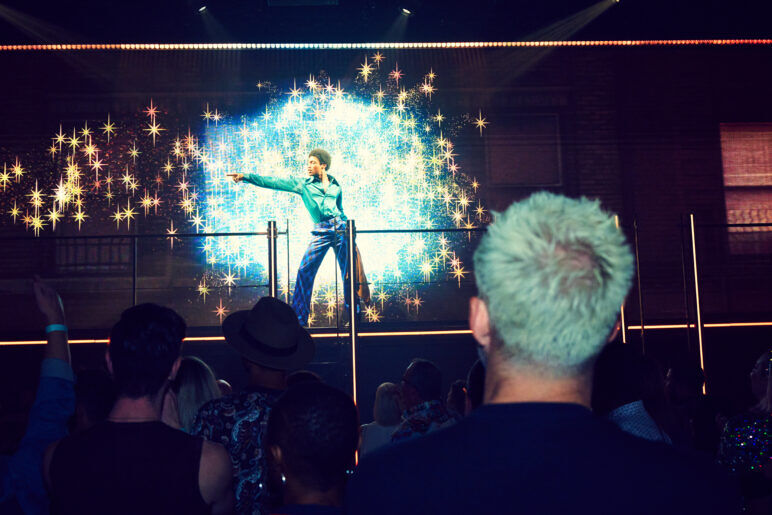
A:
<point x="237" y="177"/>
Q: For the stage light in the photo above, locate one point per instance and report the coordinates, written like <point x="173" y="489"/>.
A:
<point x="202" y="9"/>
<point x="406" y="12"/>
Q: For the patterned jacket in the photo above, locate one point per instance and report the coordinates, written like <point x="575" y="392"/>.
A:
<point x="239" y="422"/>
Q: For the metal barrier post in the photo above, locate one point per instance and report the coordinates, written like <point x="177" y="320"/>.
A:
<point x="286" y="295"/>
<point x="273" y="276"/>
<point x="134" y="271"/>
<point x="622" y="307"/>
<point x="685" y="287"/>
<point x="697" y="295"/>
<point x="638" y="277"/>
<point x="353" y="301"/>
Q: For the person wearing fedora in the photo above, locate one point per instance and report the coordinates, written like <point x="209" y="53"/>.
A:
<point x="271" y="343"/>
<point x="323" y="198"/>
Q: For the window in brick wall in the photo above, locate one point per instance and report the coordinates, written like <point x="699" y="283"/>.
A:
<point x="523" y="150"/>
<point x="746" y="153"/>
<point x="94" y="256"/>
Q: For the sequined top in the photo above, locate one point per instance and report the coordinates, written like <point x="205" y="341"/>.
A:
<point x="239" y="422"/>
<point x="746" y="443"/>
<point x="422" y="419"/>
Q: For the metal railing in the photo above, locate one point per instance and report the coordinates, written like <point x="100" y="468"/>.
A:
<point x="124" y="253"/>
<point x="717" y="263"/>
<point x="698" y="267"/>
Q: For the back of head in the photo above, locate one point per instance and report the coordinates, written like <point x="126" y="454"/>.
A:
<point x="652" y="380"/>
<point x="760" y="375"/>
<point x="475" y="382"/>
<point x="143" y="347"/>
<point x="619" y="378"/>
<point x="386" y="410"/>
<point x="457" y="396"/>
<point x="303" y="376"/>
<point x="684" y="381"/>
<point x="94" y="398"/>
<point x="553" y="272"/>
<point x="425" y="378"/>
<point x="195" y="385"/>
<point x="316" y="427"/>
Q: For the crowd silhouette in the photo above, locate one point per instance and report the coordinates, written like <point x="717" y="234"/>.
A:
<point x="555" y="416"/>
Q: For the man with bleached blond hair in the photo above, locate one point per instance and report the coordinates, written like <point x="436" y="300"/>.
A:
<point x="551" y="273"/>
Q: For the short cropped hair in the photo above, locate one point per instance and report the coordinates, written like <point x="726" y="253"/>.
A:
<point x="316" y="427"/>
<point x="425" y="377"/>
<point x="553" y="272"/>
<point x="323" y="156"/>
<point x="143" y="347"/>
<point x="386" y="410"/>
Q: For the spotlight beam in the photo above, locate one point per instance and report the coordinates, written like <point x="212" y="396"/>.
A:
<point x="35" y="28"/>
<point x="561" y="30"/>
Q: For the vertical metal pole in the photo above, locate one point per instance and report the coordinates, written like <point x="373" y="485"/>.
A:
<point x="273" y="277"/>
<point x="286" y="295"/>
<point x="622" y="307"/>
<point x="697" y="296"/>
<point x="686" y="294"/>
<point x="134" y="271"/>
<point x="353" y="301"/>
<point x="638" y="276"/>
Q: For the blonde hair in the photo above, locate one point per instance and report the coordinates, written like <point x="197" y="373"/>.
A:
<point x="195" y="385"/>
<point x="553" y="272"/>
<point x="386" y="410"/>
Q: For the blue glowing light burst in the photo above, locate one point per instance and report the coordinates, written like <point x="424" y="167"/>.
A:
<point x="396" y="170"/>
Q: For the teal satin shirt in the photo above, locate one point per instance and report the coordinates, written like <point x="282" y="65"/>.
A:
<point x="321" y="204"/>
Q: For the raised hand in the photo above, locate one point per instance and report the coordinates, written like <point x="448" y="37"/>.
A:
<point x="237" y="177"/>
<point x="49" y="302"/>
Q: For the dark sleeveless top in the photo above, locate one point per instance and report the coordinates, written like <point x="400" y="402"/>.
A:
<point x="132" y="468"/>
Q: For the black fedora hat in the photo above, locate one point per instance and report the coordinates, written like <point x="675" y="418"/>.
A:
<point x="269" y="335"/>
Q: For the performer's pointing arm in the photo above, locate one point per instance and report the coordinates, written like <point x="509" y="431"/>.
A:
<point x="291" y="184"/>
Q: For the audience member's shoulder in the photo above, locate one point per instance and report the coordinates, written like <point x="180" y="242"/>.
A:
<point x="406" y="476"/>
<point x="745" y="420"/>
<point x="235" y="402"/>
<point x="429" y="448"/>
<point x="216" y="404"/>
<point x="638" y="449"/>
<point x="85" y="437"/>
<point x="657" y="462"/>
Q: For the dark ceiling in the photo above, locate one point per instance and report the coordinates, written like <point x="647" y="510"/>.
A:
<point x="377" y="20"/>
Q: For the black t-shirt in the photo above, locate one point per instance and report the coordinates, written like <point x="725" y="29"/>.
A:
<point x="127" y="468"/>
<point x="536" y="458"/>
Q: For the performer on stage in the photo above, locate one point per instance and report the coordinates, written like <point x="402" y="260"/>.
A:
<point x="323" y="198"/>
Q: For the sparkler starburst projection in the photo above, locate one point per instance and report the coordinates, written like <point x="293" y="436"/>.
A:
<point x="390" y="152"/>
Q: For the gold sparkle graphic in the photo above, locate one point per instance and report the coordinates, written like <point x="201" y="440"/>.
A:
<point x="104" y="170"/>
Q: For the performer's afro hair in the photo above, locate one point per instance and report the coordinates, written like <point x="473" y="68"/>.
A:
<point x="323" y="156"/>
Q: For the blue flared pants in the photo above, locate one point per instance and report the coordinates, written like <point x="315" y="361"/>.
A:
<point x="326" y="234"/>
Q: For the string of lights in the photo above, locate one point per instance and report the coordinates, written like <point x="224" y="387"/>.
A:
<point x="381" y="46"/>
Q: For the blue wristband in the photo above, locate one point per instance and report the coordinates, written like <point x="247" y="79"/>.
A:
<point x="55" y="327"/>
